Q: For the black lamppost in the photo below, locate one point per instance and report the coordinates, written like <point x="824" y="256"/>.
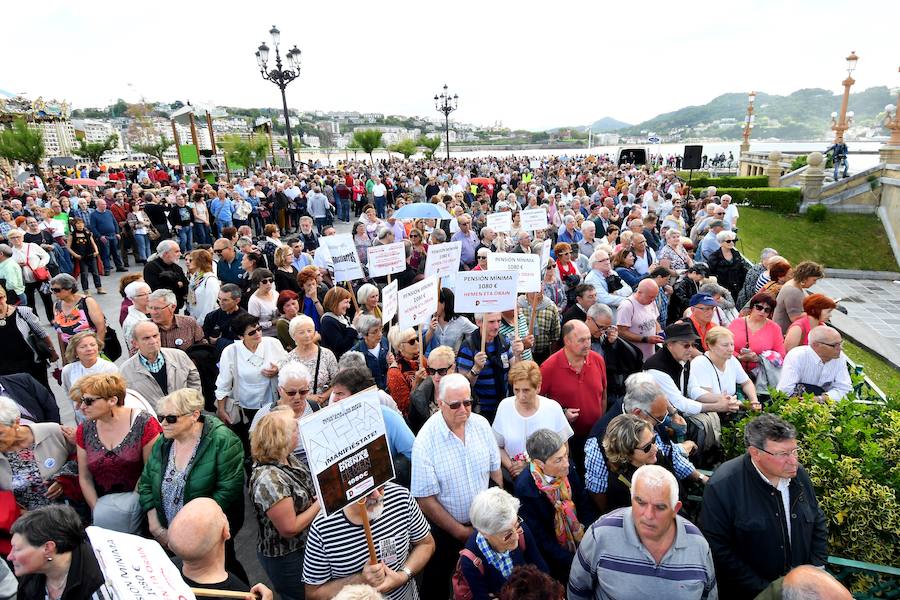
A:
<point x="446" y="104"/>
<point x="281" y="77"/>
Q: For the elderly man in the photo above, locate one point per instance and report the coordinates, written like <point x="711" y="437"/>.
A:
<point x="106" y="230"/>
<point x="455" y="456"/>
<point x="610" y="288"/>
<point x="228" y="263"/>
<point x="176" y="331"/>
<point x="487" y="370"/>
<point x="646" y="547"/>
<point x="709" y="243"/>
<point x="644" y="256"/>
<point x="570" y="233"/>
<point x="469" y="243"/>
<point x="337" y="555"/>
<point x="589" y="244"/>
<point x="760" y="513"/>
<point x="644" y="399"/>
<point x="638" y="318"/>
<point x="523" y="244"/>
<point x="585" y="297"/>
<point x="819" y="368"/>
<point x="488" y="236"/>
<point x="217" y="324"/>
<point x="222" y="210"/>
<point x="165" y="272"/>
<point x="805" y="582"/>
<point x="197" y="536"/>
<point x="139" y="294"/>
<point x="155" y="371"/>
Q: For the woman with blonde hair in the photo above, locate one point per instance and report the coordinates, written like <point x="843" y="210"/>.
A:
<point x="423" y="401"/>
<point x="718" y="371"/>
<point x="408" y="370"/>
<point x="285" y="271"/>
<point x="203" y="285"/>
<point x="83" y="357"/>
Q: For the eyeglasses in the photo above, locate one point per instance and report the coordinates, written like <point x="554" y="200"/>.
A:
<point x="563" y="253"/>
<point x="646" y="447"/>
<point x="253" y="331"/>
<point x="442" y="371"/>
<point x="293" y="393"/>
<point x="412" y="342"/>
<point x="782" y="455"/>
<point x="170" y="419"/>
<point x="763" y="308"/>
<point x="514" y="532"/>
<point x="88" y="400"/>
<point x="219" y="251"/>
<point x="833" y="345"/>
<point x="56" y="290"/>
<point x="455" y="405"/>
<point x="267" y="280"/>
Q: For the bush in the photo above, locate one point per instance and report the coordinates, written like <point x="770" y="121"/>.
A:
<point x="800" y="161"/>
<point x="782" y="200"/>
<point x="698" y="182"/>
<point x="816" y="213"/>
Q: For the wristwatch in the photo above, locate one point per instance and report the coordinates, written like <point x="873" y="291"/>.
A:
<point x="407" y="571"/>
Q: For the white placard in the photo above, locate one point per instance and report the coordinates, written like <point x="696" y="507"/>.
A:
<point x="417" y="303"/>
<point x="389" y="302"/>
<point x="527" y="265"/>
<point x="501" y="222"/>
<point x="343" y="255"/>
<point x="545" y="254"/>
<point x="485" y="291"/>
<point x="534" y="219"/>
<point x="386" y="259"/>
<point x="136" y="567"/>
<point x="454" y="225"/>
<point x="443" y="259"/>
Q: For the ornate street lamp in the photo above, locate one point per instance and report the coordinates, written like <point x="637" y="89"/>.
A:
<point x="840" y="123"/>
<point x="446" y="104"/>
<point x="748" y="122"/>
<point x="281" y="77"/>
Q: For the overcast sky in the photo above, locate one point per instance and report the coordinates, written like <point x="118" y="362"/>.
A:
<point x="531" y="65"/>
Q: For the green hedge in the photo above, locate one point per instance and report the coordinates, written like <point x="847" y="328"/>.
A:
<point x="698" y="182"/>
<point x="782" y="200"/>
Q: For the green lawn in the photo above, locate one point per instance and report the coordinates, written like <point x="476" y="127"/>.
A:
<point x="881" y="372"/>
<point x="840" y="242"/>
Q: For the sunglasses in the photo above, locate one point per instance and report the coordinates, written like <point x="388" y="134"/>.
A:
<point x="267" y="280"/>
<point x="442" y="371"/>
<point x="763" y="308"/>
<point x="412" y="342"/>
<point x="219" y="252"/>
<point x="514" y="532"/>
<point x="170" y="419"/>
<point x="56" y="290"/>
<point x="88" y="400"/>
<point x="646" y="447"/>
<point x="731" y="241"/>
<point x="293" y="393"/>
<point x="455" y="405"/>
<point x="254" y="331"/>
<point x="563" y="253"/>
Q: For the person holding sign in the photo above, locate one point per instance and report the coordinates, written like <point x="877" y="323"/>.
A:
<point x="408" y="371"/>
<point x="337" y="553"/>
<point x="447" y="328"/>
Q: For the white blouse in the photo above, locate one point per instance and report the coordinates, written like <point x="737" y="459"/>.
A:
<point x="253" y="390"/>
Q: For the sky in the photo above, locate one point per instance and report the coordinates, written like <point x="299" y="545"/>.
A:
<point x="530" y="65"/>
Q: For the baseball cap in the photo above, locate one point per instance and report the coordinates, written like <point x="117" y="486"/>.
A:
<point x="703" y="299"/>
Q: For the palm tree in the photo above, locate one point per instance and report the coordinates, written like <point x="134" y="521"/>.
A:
<point x="431" y="143"/>
<point x="405" y="147"/>
<point x="93" y="151"/>
<point x="368" y="140"/>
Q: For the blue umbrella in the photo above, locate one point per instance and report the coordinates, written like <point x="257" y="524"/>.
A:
<point x="422" y="210"/>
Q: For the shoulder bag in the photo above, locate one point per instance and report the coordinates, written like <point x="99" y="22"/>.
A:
<point x="37" y="340"/>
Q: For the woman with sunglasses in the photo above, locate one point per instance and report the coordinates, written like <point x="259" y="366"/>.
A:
<point x="757" y="333"/>
<point x="423" y="401"/>
<point x="197" y="456"/>
<point x="408" y="371"/>
<point x="114" y="442"/>
<point x="629" y="443"/>
<point x="727" y="264"/>
<point x="553" y="288"/>
<point x="263" y="303"/>
<point x="419" y="250"/>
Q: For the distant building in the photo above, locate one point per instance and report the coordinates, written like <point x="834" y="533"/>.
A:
<point x="95" y="131"/>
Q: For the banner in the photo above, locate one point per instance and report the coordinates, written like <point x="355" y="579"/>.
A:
<point x="486" y="291"/>
<point x="501" y="222"/>
<point x="389" y="302"/>
<point x="136" y="567"/>
<point x="527" y="265"/>
<point x="347" y="450"/>
<point x="545" y="254"/>
<point x="443" y="259"/>
<point x="417" y="303"/>
<point x="386" y="259"/>
<point x="343" y="255"/>
<point x="534" y="219"/>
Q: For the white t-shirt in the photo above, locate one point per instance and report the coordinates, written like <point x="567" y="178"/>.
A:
<point x="731" y="215"/>
<point x="379" y="190"/>
<point x="705" y="375"/>
<point x="512" y="429"/>
<point x="640" y="320"/>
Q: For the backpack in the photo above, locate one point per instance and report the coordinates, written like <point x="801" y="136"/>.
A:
<point x="459" y="583"/>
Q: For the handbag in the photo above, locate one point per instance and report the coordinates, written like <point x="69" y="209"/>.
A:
<point x="153" y="232"/>
<point x="112" y="349"/>
<point x="40" y="273"/>
<point x="9" y="512"/>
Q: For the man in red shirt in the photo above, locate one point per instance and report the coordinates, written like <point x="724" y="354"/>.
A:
<point x="575" y="376"/>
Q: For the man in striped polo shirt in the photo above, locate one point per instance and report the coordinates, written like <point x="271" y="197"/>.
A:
<point x="645" y="550"/>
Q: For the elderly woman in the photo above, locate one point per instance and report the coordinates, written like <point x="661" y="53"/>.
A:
<point x="33" y="259"/>
<point x="320" y="361"/>
<point x="337" y="334"/>
<point x="717" y="370"/>
<point x="19" y="327"/>
<point x="263" y="303"/>
<point x="817" y="309"/>
<point x="524" y="413"/>
<point x="674" y="221"/>
<point x="555" y="504"/>
<point x="52" y="557"/>
<point x="374" y="347"/>
<point x="83" y="358"/>
<point x="203" y="285"/>
<point x="568" y="272"/>
<point x="675" y="252"/>
<point x="139" y="294"/>
<point x="756" y="333"/>
<point x="197" y="456"/>
<point x="501" y="542"/>
<point x="623" y="263"/>
<point x="74" y="312"/>
<point x="408" y="371"/>
<point x="294" y="389"/>
<point x="727" y="264"/>
<point x="310" y="280"/>
<point x="779" y="273"/>
<point x="288" y="305"/>
<point x="368" y="296"/>
<point x="371" y="221"/>
<point x="423" y="402"/>
<point x="553" y="288"/>
<point x="114" y="443"/>
<point x="447" y="328"/>
<point x="284" y="498"/>
<point x="33" y="458"/>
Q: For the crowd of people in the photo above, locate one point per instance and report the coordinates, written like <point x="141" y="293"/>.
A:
<point x="539" y="452"/>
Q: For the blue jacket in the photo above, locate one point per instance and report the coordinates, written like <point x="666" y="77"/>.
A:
<point x="492" y="580"/>
<point x="379" y="365"/>
<point x="230" y="273"/>
<point x="103" y="223"/>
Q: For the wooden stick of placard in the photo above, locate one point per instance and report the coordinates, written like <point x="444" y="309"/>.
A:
<point x="373" y="558"/>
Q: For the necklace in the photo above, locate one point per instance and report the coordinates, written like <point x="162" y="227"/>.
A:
<point x="6" y="314"/>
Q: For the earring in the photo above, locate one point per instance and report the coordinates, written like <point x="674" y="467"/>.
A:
<point x="49" y="559"/>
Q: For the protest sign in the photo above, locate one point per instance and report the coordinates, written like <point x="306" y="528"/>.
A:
<point x="136" y="567"/>
<point x="527" y="265"/>
<point x="443" y="259"/>
<point x="534" y="219"/>
<point x="417" y="303"/>
<point x="454" y="225"/>
<point x="545" y="254"/>
<point x="343" y="254"/>
<point x="501" y="222"/>
<point x="389" y="302"/>
<point x="386" y="259"/>
<point x="486" y="291"/>
<point x="347" y="450"/>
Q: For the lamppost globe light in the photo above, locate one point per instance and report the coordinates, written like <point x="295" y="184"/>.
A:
<point x="834" y="114"/>
<point x="276" y="35"/>
<point x="890" y="109"/>
<point x="263" y="53"/>
<point x="851" y="62"/>
<point x="752" y="97"/>
<point x="850" y="114"/>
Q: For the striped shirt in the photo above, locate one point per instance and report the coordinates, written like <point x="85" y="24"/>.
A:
<point x="484" y="387"/>
<point x="507" y="331"/>
<point x="336" y="548"/>
<point x="612" y="563"/>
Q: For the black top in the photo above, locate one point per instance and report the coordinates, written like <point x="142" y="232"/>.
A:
<point x="230" y="584"/>
<point x="84" y="580"/>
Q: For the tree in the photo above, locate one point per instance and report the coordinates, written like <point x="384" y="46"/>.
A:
<point x="368" y="140"/>
<point x="141" y="129"/>
<point x="431" y="143"/>
<point x="405" y="147"/>
<point x="23" y="144"/>
<point x="154" y="149"/>
<point x="238" y="152"/>
<point x="93" y="151"/>
<point x="354" y="145"/>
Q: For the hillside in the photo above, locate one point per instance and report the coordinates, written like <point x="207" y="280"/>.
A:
<point x="608" y="124"/>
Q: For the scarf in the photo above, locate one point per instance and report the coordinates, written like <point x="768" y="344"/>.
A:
<point x="502" y="561"/>
<point x="565" y="522"/>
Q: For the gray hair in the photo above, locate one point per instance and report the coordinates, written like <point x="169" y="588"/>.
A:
<point x="453" y="381"/>
<point x="9" y="411"/>
<point x="352" y="359"/>
<point x="767" y="253"/>
<point x="293" y="370"/>
<point x="134" y="288"/>
<point x="588" y="225"/>
<point x="543" y="443"/>
<point x="713" y="289"/>
<point x="366" y="323"/>
<point x="716" y="223"/>
<point x="384" y="231"/>
<point x="232" y="289"/>
<point x="439" y="234"/>
<point x="6" y="250"/>
<point x="768" y="427"/>
<point x="568" y="219"/>
<point x="807" y="583"/>
<point x="493" y="510"/>
<point x="166" y="246"/>
<point x="64" y="281"/>
<point x="164" y="294"/>
<point x="365" y="290"/>
<point x="640" y="392"/>
<point x="655" y="477"/>
<point x="724" y="236"/>
<point x="598" y="309"/>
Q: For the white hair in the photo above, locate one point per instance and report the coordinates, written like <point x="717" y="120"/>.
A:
<point x="293" y="370"/>
<point x="723" y="236"/>
<point x="166" y="246"/>
<point x="453" y="381"/>
<point x="297" y="321"/>
<point x="493" y="510"/>
<point x="164" y="294"/>
<point x="588" y="225"/>
<point x="655" y="477"/>
<point x="9" y="411"/>
<point x="134" y="288"/>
